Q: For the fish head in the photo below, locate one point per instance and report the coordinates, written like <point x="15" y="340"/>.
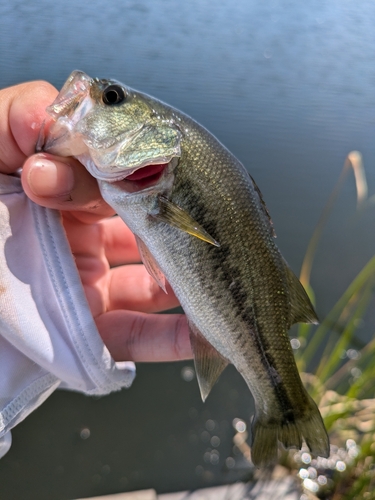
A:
<point x="115" y="131"/>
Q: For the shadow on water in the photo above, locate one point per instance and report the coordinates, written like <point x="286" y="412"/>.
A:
<point x="289" y="88"/>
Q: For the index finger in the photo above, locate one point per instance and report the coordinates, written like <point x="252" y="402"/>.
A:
<point x="136" y="336"/>
<point x="22" y="112"/>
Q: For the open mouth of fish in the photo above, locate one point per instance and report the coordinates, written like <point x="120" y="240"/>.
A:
<point x="145" y="177"/>
<point x="141" y="179"/>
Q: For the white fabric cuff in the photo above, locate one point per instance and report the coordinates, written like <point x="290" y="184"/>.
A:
<point x="48" y="337"/>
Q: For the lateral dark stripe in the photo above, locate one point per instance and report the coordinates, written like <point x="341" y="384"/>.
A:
<point x="221" y="260"/>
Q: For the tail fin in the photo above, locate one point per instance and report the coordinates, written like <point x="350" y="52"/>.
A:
<point x="266" y="436"/>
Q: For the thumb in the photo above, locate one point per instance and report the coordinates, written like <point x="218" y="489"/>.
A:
<point x="63" y="184"/>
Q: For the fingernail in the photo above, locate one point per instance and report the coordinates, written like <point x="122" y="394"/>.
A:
<point x="50" y="178"/>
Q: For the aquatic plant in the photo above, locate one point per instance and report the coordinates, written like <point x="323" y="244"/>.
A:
<point x="342" y="382"/>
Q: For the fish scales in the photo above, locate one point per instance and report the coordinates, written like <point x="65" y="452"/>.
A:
<point x="203" y="225"/>
<point x="246" y="301"/>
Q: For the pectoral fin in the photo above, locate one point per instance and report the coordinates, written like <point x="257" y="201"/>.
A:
<point x="172" y="214"/>
<point x="209" y="364"/>
<point x="302" y="311"/>
<point x="150" y="264"/>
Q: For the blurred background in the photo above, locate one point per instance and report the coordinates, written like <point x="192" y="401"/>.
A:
<point x="288" y="87"/>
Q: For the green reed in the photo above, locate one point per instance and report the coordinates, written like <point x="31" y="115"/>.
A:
<point x="343" y="382"/>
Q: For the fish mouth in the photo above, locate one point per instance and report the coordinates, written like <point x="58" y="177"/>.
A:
<point x="147" y="173"/>
<point x="144" y="177"/>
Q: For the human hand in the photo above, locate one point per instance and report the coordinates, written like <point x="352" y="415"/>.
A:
<point x="122" y="299"/>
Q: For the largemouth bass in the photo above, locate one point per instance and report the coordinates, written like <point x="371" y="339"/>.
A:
<point x="200" y="223"/>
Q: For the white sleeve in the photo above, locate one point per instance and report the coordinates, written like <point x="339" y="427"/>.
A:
<point x="48" y="337"/>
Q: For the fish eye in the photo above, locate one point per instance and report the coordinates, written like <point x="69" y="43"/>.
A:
<point x="114" y="94"/>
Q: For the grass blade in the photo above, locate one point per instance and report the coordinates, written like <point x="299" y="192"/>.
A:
<point x="354" y="288"/>
<point x="354" y="161"/>
<point x="332" y="356"/>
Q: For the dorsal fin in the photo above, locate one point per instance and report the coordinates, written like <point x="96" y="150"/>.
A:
<point x="264" y="206"/>
<point x="302" y="311"/>
<point x="209" y="364"/>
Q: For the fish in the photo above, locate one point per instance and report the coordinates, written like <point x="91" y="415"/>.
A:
<point x="201" y="224"/>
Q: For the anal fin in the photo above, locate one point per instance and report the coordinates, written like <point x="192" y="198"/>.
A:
<point x="209" y="364"/>
<point x="150" y="264"/>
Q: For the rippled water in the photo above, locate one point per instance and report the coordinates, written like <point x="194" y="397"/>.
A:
<point x="289" y="88"/>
